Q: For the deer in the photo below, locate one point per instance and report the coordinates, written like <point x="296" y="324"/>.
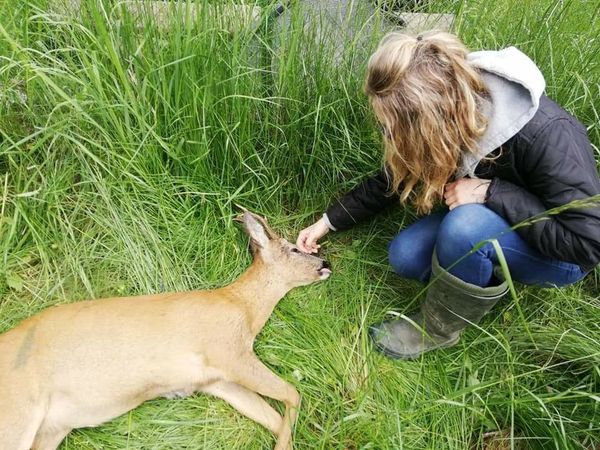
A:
<point x="84" y="363"/>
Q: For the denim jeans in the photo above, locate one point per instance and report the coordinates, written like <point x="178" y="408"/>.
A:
<point x="455" y="233"/>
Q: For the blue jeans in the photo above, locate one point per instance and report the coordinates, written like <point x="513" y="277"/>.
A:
<point x="453" y="234"/>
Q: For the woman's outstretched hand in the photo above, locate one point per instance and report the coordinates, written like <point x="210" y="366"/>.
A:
<point x="465" y="191"/>
<point x="307" y="239"/>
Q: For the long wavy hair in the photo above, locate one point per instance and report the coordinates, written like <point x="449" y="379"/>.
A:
<point x="428" y="100"/>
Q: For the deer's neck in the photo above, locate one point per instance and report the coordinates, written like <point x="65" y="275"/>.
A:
<point x="260" y="290"/>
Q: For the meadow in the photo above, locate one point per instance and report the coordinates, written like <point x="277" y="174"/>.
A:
<point x="125" y="148"/>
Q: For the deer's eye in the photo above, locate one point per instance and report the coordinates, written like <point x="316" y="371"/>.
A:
<point x="295" y="250"/>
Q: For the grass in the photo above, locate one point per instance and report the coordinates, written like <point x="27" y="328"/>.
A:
<point x="124" y="149"/>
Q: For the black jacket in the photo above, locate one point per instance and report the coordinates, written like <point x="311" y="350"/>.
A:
<point x="547" y="164"/>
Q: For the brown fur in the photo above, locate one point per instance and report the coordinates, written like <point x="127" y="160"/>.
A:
<point x="82" y="364"/>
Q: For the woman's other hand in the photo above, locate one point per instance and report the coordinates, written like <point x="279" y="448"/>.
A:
<point x="307" y="239"/>
<point x="465" y="191"/>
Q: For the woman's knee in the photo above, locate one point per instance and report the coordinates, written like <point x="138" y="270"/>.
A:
<point x="463" y="228"/>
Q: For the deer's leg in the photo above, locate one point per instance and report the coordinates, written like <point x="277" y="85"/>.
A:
<point x="257" y="377"/>
<point x="17" y="435"/>
<point x="19" y="420"/>
<point x="49" y="439"/>
<point x="248" y="403"/>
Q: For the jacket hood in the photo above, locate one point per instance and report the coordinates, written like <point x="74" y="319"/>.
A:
<point x="515" y="85"/>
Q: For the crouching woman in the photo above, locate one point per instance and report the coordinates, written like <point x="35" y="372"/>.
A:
<point x="473" y="131"/>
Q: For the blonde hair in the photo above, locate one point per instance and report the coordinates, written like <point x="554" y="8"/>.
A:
<point x="428" y="99"/>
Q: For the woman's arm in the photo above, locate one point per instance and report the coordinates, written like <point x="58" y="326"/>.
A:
<point x="560" y="169"/>
<point x="365" y="200"/>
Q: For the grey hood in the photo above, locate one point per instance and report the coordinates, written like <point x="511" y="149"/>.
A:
<point x="515" y="84"/>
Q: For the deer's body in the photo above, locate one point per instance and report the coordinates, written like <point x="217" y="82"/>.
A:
<point x="82" y="364"/>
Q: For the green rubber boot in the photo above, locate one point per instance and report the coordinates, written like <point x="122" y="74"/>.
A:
<point x="450" y="305"/>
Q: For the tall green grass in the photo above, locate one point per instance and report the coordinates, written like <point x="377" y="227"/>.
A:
<point x="124" y="149"/>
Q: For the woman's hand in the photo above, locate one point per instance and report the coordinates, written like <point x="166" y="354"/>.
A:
<point x="307" y="239"/>
<point x="465" y="191"/>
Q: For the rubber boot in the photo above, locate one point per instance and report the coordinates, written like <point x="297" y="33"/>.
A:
<point x="450" y="305"/>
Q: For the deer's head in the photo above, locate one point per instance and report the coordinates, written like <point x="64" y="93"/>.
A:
<point x="281" y="257"/>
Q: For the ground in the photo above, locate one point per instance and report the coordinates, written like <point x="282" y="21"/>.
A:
<point x="124" y="148"/>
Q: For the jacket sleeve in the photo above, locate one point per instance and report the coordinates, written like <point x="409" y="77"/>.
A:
<point x="365" y="200"/>
<point x="561" y="169"/>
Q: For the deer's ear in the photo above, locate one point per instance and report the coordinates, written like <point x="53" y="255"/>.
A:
<point x="256" y="228"/>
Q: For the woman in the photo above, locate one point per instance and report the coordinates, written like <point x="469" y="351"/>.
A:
<point x="474" y="131"/>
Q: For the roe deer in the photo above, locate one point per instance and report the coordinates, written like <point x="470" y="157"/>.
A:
<point x="82" y="364"/>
